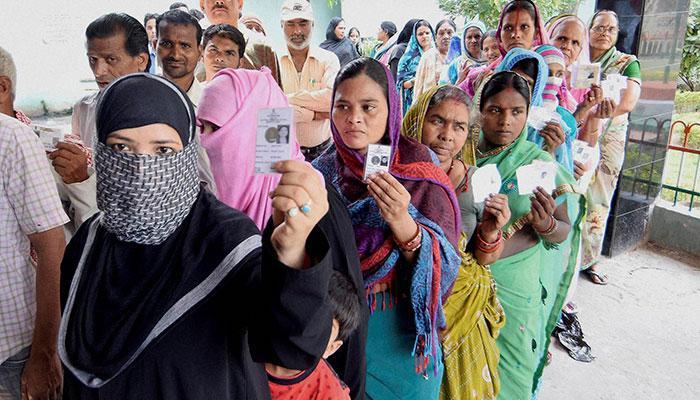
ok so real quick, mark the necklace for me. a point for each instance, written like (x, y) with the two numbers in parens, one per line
(452, 165)
(490, 153)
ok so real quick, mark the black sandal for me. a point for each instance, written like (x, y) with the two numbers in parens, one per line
(596, 277)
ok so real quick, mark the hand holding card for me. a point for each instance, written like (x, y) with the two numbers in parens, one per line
(49, 136)
(485, 181)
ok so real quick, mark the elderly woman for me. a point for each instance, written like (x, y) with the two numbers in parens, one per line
(465, 53)
(406, 224)
(167, 282)
(440, 120)
(604, 29)
(540, 251)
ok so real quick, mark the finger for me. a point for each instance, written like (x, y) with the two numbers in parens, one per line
(544, 203)
(382, 181)
(547, 201)
(69, 147)
(308, 181)
(296, 193)
(378, 198)
(538, 207)
(61, 162)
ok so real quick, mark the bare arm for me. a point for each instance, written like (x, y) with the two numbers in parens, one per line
(629, 98)
(42, 376)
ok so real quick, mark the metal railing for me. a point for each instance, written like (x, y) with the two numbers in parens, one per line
(683, 188)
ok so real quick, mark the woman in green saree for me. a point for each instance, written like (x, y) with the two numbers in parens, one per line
(604, 29)
(541, 238)
(440, 120)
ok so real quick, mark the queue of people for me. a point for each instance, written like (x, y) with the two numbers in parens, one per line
(144, 257)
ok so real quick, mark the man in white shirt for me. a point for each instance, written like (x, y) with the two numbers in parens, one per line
(308, 73)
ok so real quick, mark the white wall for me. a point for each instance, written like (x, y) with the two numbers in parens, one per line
(366, 15)
(47, 41)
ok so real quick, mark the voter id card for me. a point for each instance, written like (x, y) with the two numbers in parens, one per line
(272, 141)
(378, 159)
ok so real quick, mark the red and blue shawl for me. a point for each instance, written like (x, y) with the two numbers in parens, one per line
(433, 206)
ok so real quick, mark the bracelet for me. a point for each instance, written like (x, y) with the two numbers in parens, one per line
(487, 247)
(550, 229)
(413, 244)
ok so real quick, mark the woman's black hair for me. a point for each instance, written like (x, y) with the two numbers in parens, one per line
(488, 34)
(354, 29)
(502, 81)
(449, 92)
(422, 22)
(525, 5)
(528, 66)
(368, 66)
(406, 32)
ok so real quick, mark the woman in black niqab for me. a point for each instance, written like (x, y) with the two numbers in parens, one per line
(162, 292)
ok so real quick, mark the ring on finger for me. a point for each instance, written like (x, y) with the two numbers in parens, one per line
(293, 212)
(306, 207)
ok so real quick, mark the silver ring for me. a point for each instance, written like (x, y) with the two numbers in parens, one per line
(293, 212)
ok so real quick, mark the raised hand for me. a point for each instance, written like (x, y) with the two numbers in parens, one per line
(542, 210)
(299, 202)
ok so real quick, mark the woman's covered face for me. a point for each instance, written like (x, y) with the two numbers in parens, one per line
(153, 139)
(445, 128)
(518, 30)
(504, 116)
(360, 112)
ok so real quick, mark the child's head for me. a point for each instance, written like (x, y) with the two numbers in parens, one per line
(345, 306)
(489, 46)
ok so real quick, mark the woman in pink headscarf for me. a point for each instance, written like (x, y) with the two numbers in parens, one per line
(227, 113)
(520, 25)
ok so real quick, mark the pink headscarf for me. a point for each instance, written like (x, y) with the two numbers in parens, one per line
(231, 100)
(585, 57)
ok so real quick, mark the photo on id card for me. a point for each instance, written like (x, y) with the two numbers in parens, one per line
(272, 138)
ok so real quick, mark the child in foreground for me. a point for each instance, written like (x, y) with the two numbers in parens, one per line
(321, 382)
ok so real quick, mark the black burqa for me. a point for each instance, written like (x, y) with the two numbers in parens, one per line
(343, 48)
(400, 47)
(193, 316)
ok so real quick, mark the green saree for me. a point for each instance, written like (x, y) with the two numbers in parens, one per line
(532, 284)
